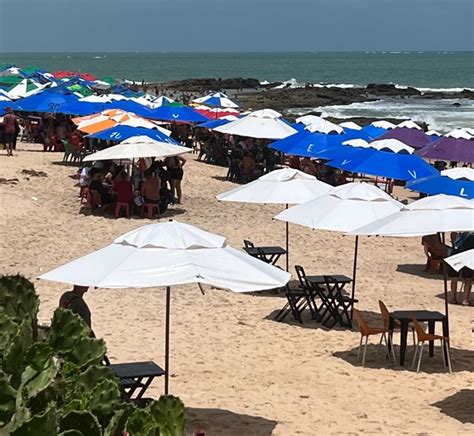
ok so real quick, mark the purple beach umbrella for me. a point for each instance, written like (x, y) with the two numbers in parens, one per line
(413, 137)
(457, 146)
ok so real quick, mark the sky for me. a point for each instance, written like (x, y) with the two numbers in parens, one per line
(235, 25)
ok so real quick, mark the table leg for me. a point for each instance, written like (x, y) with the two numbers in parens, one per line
(144, 387)
(431, 330)
(446, 335)
(391, 326)
(403, 340)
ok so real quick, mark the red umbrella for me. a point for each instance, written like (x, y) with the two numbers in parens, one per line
(216, 113)
(64, 74)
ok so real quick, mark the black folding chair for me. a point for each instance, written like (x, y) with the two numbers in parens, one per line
(248, 244)
(296, 303)
(339, 304)
(310, 292)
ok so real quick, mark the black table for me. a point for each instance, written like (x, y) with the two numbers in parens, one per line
(404, 317)
(136, 377)
(320, 280)
(267, 254)
(332, 298)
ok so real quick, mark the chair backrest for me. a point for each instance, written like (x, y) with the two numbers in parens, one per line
(385, 314)
(248, 244)
(363, 327)
(301, 275)
(420, 333)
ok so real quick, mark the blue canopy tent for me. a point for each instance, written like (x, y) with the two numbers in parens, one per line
(183, 114)
(398, 166)
(121, 133)
(445, 184)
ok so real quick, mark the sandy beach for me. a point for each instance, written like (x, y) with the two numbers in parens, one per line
(238, 371)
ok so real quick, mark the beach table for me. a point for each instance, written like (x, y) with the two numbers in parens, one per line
(269, 254)
(404, 317)
(136, 377)
(333, 299)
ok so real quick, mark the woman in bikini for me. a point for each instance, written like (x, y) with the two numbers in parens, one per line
(174, 165)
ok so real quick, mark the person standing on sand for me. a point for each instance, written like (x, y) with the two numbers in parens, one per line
(10, 126)
(74, 301)
(174, 165)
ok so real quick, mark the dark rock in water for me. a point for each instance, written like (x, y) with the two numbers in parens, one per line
(211, 84)
(391, 90)
(467, 93)
(281, 99)
(457, 104)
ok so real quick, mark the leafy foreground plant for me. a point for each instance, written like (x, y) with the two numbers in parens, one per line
(52, 381)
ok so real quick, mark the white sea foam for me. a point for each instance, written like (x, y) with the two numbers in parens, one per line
(439, 114)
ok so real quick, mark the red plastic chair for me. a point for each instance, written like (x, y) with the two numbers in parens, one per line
(84, 194)
(150, 208)
(119, 206)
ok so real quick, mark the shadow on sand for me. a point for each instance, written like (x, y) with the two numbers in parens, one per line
(109, 213)
(226, 423)
(459, 406)
(376, 358)
(418, 270)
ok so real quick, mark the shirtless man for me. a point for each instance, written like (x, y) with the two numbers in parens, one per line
(10, 125)
(150, 188)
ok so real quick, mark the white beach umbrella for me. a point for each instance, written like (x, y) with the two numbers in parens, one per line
(461, 260)
(285, 186)
(316, 124)
(96, 99)
(160, 101)
(264, 123)
(460, 134)
(393, 145)
(350, 125)
(437, 214)
(137, 147)
(382, 124)
(409, 124)
(345, 208)
(218, 99)
(169, 254)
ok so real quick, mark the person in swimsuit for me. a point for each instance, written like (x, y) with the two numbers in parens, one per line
(174, 165)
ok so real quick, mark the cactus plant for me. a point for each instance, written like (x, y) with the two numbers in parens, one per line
(52, 382)
(82, 420)
(7, 400)
(169, 413)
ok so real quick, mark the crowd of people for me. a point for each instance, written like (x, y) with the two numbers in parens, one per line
(149, 181)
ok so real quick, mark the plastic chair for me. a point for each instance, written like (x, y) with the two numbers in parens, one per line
(119, 206)
(84, 194)
(150, 208)
(423, 337)
(366, 331)
(386, 321)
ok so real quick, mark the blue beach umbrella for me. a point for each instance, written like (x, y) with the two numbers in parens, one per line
(121, 133)
(131, 106)
(183, 114)
(455, 181)
(308, 144)
(82, 108)
(46, 101)
(372, 131)
(385, 163)
(214, 123)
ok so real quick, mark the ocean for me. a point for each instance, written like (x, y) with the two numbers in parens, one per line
(441, 71)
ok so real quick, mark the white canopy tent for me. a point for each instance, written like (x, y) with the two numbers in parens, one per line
(264, 124)
(284, 186)
(169, 254)
(343, 209)
(137, 147)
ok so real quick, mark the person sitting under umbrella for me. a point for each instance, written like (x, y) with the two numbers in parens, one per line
(463, 242)
(74, 301)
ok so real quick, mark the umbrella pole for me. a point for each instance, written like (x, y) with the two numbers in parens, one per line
(287, 226)
(354, 273)
(167, 339)
(445, 280)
